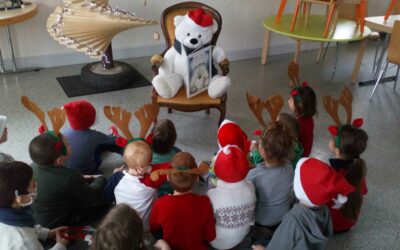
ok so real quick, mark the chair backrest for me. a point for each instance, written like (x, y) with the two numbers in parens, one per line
(167, 19)
(394, 45)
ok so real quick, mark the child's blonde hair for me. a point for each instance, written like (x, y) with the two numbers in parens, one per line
(137, 154)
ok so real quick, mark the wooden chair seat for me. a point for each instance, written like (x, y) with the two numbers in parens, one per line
(181, 99)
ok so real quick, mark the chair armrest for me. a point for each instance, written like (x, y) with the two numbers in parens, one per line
(224, 67)
(156, 61)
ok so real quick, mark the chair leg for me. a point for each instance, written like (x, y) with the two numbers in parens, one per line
(296, 13)
(207, 111)
(397, 77)
(307, 9)
(332, 9)
(383, 71)
(363, 12)
(280, 11)
(390, 9)
(169, 110)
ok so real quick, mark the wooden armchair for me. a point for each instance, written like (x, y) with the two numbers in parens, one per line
(180, 102)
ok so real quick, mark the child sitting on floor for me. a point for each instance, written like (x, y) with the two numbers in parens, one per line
(122, 229)
(87, 144)
(162, 140)
(303, 103)
(134, 186)
(233, 200)
(185, 220)
(3, 138)
(347, 147)
(294, 126)
(308, 224)
(17, 226)
(64, 196)
(273, 178)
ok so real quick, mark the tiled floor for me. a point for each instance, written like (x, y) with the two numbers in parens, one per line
(379, 225)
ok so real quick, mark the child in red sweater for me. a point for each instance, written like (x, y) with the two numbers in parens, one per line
(303, 103)
(186, 220)
(347, 147)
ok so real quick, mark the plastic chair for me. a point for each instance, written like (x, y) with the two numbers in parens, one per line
(332, 12)
(180, 102)
(393, 56)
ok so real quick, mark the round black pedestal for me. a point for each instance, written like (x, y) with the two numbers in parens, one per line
(95, 76)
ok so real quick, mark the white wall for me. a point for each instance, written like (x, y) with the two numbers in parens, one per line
(241, 35)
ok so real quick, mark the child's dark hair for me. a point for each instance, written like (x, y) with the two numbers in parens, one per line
(306, 104)
(121, 229)
(291, 122)
(277, 141)
(42, 149)
(183, 182)
(353, 142)
(14, 176)
(164, 136)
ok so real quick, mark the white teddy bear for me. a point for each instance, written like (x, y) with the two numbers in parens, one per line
(193, 31)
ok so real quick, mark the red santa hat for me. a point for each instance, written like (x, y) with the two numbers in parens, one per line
(316, 183)
(81, 114)
(229, 133)
(200, 17)
(231, 164)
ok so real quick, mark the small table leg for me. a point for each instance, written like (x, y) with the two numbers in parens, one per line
(357, 64)
(297, 52)
(14, 64)
(264, 53)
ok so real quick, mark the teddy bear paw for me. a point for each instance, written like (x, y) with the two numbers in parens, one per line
(218, 86)
(167, 86)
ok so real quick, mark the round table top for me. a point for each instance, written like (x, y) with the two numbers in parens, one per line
(8, 17)
(346, 30)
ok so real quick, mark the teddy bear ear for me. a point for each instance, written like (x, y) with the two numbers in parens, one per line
(178, 20)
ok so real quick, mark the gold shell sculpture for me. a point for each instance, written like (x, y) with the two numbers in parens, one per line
(89, 26)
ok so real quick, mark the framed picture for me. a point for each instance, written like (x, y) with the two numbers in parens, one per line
(199, 68)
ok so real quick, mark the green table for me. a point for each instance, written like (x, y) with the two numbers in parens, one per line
(346, 30)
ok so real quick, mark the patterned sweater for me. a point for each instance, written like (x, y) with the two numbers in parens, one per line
(234, 207)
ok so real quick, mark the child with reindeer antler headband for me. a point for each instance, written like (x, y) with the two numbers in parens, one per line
(186, 220)
(63, 195)
(87, 144)
(133, 185)
(347, 143)
(273, 178)
(303, 103)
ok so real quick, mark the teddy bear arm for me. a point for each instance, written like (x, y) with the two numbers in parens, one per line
(167, 65)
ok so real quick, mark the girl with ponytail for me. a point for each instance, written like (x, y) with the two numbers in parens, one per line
(347, 147)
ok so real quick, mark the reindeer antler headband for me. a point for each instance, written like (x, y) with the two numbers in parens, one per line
(202, 169)
(332, 107)
(273, 105)
(146, 115)
(57, 117)
(293, 73)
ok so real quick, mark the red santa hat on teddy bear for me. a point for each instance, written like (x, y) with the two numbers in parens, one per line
(231, 164)
(81, 114)
(230, 133)
(316, 184)
(200, 17)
